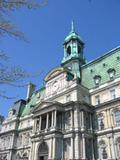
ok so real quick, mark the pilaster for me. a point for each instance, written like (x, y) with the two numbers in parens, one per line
(72, 147)
(83, 147)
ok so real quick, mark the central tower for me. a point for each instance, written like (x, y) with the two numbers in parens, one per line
(73, 52)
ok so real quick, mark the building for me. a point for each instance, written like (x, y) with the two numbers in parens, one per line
(75, 115)
(1, 121)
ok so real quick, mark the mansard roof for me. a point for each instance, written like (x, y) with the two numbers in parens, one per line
(100, 66)
(32, 102)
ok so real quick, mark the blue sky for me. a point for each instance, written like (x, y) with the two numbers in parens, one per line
(96, 21)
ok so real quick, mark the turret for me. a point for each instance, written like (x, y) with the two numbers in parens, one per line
(73, 52)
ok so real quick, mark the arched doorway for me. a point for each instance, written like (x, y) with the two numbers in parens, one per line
(43, 151)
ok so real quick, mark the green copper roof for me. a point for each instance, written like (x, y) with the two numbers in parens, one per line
(29, 106)
(73, 35)
(100, 66)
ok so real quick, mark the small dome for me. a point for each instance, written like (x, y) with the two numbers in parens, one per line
(73, 35)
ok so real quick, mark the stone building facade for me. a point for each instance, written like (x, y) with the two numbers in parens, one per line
(74, 116)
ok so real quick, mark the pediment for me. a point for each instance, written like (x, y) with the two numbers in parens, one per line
(54, 73)
(43, 105)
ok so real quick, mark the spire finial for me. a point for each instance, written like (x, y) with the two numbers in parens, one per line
(72, 27)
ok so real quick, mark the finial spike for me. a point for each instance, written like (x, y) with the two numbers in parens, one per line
(72, 27)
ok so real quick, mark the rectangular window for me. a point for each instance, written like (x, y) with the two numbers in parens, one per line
(43, 123)
(50, 120)
(100, 123)
(117, 117)
(97, 100)
(37, 124)
(113, 95)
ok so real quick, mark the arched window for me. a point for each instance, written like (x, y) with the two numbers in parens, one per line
(102, 150)
(43, 151)
(117, 117)
(68, 51)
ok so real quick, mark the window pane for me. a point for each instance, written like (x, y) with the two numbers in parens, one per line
(113, 95)
(117, 117)
(97, 100)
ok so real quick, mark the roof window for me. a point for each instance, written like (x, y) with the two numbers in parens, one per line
(111, 72)
(118, 58)
(97, 80)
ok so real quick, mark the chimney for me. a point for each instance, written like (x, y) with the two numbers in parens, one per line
(1, 121)
(30, 90)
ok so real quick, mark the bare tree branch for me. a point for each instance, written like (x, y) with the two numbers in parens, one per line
(13, 75)
(6, 6)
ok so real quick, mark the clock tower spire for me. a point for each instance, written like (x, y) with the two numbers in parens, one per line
(73, 52)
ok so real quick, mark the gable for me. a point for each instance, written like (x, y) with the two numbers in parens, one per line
(54, 73)
(42, 105)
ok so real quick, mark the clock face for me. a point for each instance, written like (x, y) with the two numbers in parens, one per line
(55, 86)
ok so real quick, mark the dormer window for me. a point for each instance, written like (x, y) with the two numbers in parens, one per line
(104, 64)
(111, 73)
(118, 58)
(97, 80)
(68, 51)
(91, 71)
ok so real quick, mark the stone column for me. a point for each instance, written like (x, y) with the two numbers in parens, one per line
(83, 147)
(77, 146)
(50, 149)
(82, 120)
(52, 119)
(34, 127)
(109, 116)
(113, 148)
(106, 119)
(111, 119)
(54, 147)
(63, 125)
(10, 157)
(92, 141)
(47, 120)
(55, 117)
(116, 150)
(40, 123)
(72, 147)
(76, 119)
(110, 151)
(72, 119)
(33, 152)
(91, 122)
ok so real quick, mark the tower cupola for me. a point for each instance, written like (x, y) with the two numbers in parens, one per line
(73, 51)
